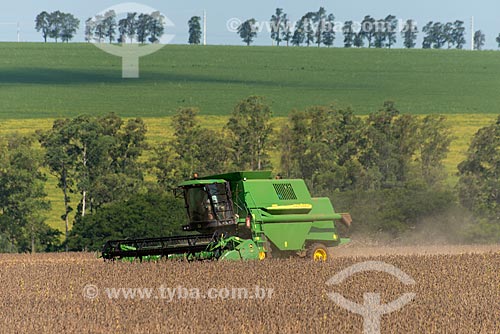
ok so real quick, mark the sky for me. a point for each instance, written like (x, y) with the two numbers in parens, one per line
(219, 12)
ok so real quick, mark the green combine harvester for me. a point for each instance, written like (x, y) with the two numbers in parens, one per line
(243, 215)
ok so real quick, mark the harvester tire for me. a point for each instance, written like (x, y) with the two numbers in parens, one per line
(317, 252)
(269, 249)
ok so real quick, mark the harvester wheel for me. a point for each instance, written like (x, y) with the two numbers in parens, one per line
(269, 250)
(317, 252)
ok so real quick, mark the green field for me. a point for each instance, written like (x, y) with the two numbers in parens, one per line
(41, 82)
(54, 80)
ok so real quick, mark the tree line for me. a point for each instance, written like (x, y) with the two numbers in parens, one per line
(57, 25)
(141, 27)
(106, 27)
(319, 28)
(314, 28)
(386, 169)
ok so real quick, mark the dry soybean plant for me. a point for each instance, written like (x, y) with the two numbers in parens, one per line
(50, 293)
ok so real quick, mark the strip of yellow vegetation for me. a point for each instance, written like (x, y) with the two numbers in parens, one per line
(463, 127)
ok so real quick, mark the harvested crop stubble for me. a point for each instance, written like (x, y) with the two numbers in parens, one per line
(455, 293)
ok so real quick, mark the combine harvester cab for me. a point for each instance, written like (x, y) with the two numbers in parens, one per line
(243, 215)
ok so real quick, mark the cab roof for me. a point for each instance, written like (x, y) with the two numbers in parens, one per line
(195, 182)
(238, 176)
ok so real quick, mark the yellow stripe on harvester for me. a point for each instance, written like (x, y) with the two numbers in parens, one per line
(290, 207)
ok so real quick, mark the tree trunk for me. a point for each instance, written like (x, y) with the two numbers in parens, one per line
(33, 251)
(66, 206)
(84, 199)
(84, 193)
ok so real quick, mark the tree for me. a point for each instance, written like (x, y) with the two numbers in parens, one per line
(143, 25)
(299, 35)
(436, 35)
(277, 25)
(122, 31)
(43, 24)
(22, 200)
(409, 34)
(368, 29)
(448, 34)
(69, 27)
(479, 183)
(149, 214)
(250, 127)
(164, 165)
(115, 170)
(60, 160)
(309, 28)
(56, 21)
(89, 30)
(286, 34)
(387, 168)
(390, 147)
(156, 27)
(428, 38)
(248, 31)
(458, 34)
(358, 40)
(380, 33)
(294, 139)
(96, 157)
(479, 40)
(194, 30)
(84, 132)
(440, 37)
(127, 27)
(100, 28)
(391, 25)
(434, 138)
(329, 31)
(403, 150)
(319, 19)
(186, 133)
(349, 34)
(320, 145)
(109, 23)
(498, 40)
(60, 25)
(193, 149)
